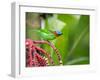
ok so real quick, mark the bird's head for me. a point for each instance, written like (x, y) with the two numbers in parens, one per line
(58, 33)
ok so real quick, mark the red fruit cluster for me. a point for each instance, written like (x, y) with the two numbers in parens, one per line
(40, 60)
(33, 58)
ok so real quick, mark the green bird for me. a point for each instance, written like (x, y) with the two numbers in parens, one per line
(48, 35)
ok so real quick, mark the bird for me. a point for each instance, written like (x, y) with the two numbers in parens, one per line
(48, 35)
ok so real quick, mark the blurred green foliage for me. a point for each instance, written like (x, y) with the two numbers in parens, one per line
(73, 44)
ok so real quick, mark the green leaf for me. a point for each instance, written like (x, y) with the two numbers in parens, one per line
(80, 60)
(79, 39)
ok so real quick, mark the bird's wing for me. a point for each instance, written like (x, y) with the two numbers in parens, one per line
(46, 36)
(45, 31)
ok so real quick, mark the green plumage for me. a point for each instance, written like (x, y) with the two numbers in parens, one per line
(45, 34)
